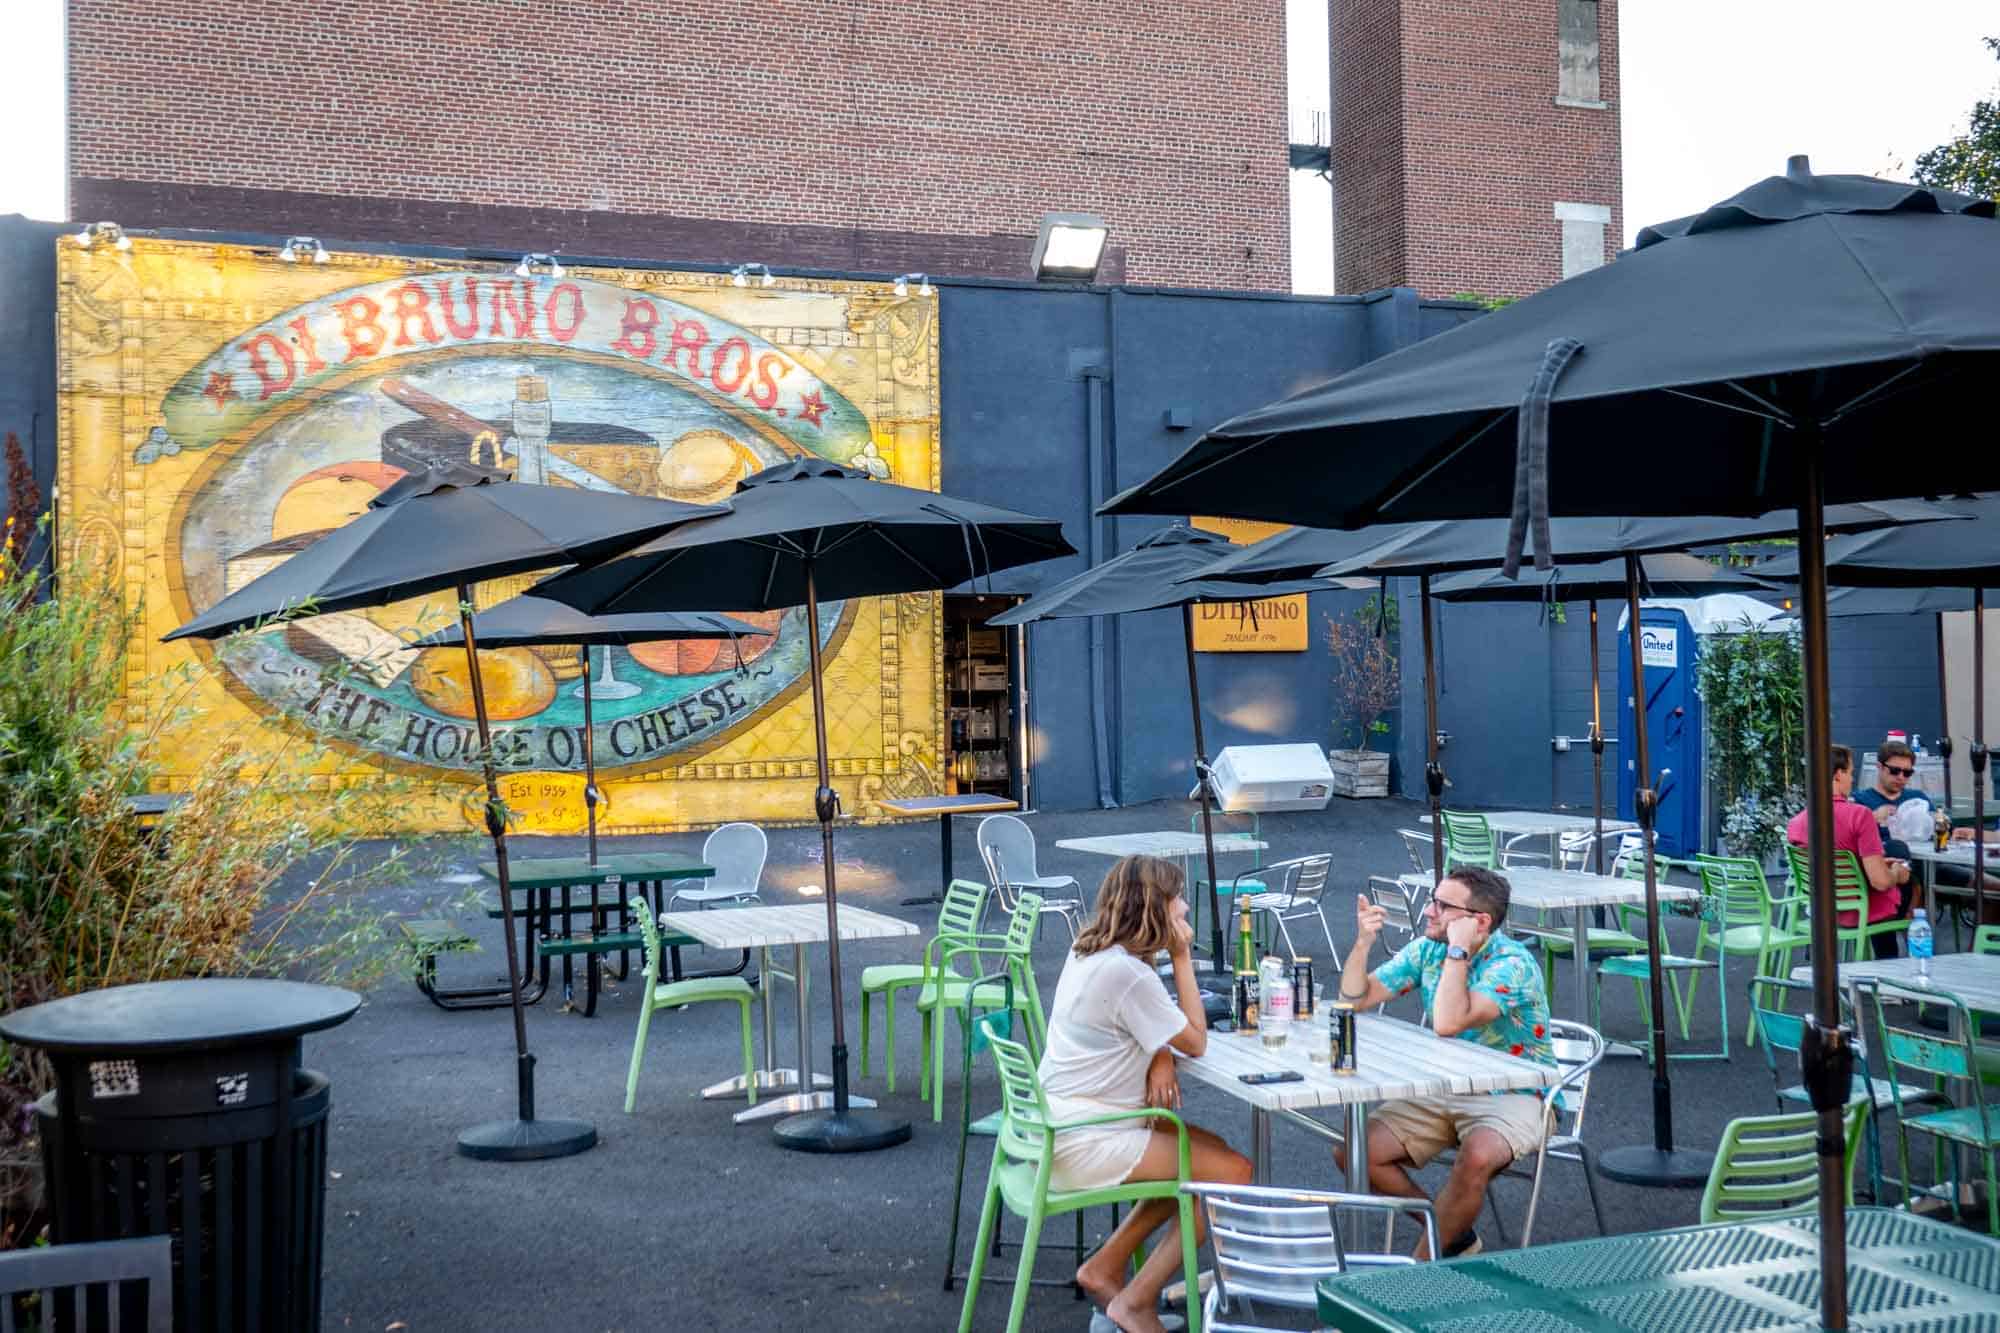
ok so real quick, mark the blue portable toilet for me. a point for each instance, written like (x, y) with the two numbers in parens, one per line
(1668, 647)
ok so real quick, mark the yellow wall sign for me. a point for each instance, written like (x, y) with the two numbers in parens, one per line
(1268, 625)
(221, 410)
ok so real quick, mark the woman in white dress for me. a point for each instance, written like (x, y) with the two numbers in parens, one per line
(1111, 1027)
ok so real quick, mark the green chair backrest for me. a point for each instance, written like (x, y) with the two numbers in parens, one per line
(1920, 1048)
(649, 935)
(1986, 939)
(1024, 1134)
(963, 901)
(1736, 885)
(1850, 884)
(1779, 1030)
(1468, 841)
(1768, 1165)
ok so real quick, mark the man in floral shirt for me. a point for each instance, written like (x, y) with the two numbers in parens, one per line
(1477, 985)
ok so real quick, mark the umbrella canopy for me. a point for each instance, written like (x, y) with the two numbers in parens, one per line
(1928, 556)
(797, 533)
(1165, 569)
(445, 528)
(1667, 574)
(860, 537)
(438, 529)
(1773, 351)
(1808, 315)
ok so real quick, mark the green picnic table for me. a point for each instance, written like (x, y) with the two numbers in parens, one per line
(1904, 1272)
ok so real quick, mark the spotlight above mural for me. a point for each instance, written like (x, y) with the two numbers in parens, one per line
(109, 232)
(924, 287)
(742, 273)
(295, 246)
(1069, 247)
(536, 260)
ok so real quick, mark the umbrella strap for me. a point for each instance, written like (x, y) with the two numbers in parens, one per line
(1531, 459)
(967, 532)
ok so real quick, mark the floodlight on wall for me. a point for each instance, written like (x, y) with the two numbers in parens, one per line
(1069, 247)
(296, 246)
(109, 232)
(742, 273)
(923, 284)
(537, 260)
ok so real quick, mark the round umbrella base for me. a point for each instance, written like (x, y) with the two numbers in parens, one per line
(1646, 1165)
(852, 1130)
(526, 1140)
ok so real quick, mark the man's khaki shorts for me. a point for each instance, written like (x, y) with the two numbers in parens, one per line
(1426, 1126)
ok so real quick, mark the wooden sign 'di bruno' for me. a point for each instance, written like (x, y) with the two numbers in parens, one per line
(1267, 625)
(220, 410)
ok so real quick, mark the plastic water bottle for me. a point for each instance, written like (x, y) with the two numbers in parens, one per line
(1921, 945)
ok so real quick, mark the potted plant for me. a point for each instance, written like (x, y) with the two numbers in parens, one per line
(1752, 687)
(1367, 687)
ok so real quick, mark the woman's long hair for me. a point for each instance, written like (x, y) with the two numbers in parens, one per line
(1133, 906)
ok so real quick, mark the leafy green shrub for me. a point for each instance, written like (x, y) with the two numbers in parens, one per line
(1752, 687)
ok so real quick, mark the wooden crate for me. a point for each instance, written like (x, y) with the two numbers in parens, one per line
(1359, 773)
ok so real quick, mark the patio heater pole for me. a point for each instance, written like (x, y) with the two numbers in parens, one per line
(590, 796)
(1433, 771)
(523, 1139)
(1596, 750)
(1662, 1163)
(1201, 781)
(1978, 757)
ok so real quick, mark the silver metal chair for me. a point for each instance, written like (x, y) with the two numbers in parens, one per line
(1007, 847)
(1579, 1049)
(93, 1275)
(1296, 888)
(1400, 897)
(1417, 846)
(737, 851)
(1272, 1245)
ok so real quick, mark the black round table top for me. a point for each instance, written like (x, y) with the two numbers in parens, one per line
(180, 1015)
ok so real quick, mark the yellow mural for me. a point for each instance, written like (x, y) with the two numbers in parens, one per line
(220, 409)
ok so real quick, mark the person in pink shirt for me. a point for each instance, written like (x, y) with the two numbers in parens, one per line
(1855, 830)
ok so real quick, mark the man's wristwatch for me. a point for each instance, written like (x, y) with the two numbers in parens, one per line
(1457, 953)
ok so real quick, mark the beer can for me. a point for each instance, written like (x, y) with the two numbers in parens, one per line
(1302, 988)
(1340, 1038)
(1245, 1011)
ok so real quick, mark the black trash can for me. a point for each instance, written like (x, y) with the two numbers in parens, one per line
(180, 1109)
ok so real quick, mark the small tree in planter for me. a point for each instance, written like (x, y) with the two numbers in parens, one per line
(1367, 687)
(1752, 687)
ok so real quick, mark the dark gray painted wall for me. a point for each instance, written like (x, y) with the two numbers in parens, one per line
(27, 342)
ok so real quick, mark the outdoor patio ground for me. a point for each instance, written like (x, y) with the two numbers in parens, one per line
(680, 1219)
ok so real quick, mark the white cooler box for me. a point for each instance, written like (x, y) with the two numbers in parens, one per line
(1272, 777)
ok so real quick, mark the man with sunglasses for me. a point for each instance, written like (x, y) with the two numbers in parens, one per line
(1895, 765)
(1855, 831)
(1477, 984)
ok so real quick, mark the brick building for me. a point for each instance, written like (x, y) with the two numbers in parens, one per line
(850, 134)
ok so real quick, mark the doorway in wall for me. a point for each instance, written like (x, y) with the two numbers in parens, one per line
(985, 700)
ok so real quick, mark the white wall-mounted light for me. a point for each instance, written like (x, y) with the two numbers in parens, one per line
(740, 275)
(1069, 247)
(924, 287)
(296, 246)
(537, 260)
(109, 232)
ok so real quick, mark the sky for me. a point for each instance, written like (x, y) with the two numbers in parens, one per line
(1717, 93)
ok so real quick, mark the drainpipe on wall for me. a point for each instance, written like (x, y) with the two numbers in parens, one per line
(1090, 366)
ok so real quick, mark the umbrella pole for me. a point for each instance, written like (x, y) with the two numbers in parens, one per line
(842, 1128)
(1944, 715)
(1201, 781)
(1596, 749)
(1433, 771)
(1660, 1164)
(525, 1138)
(589, 759)
(1978, 757)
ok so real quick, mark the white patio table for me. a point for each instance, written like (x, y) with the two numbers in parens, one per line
(1546, 824)
(1538, 888)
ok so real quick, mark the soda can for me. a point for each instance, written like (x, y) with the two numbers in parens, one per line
(1302, 988)
(1245, 1011)
(1274, 1001)
(1340, 1038)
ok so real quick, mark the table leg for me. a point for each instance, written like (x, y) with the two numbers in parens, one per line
(944, 861)
(795, 1102)
(771, 1078)
(1357, 1148)
(1260, 1146)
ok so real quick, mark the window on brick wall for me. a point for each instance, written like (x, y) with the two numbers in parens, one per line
(1579, 84)
(1582, 236)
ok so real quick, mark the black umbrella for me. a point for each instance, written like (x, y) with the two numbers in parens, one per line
(796, 533)
(1963, 555)
(1773, 351)
(1163, 570)
(441, 529)
(523, 622)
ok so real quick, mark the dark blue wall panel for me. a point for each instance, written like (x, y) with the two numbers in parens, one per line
(27, 342)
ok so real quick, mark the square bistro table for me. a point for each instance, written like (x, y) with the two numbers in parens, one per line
(1904, 1272)
(763, 929)
(1543, 890)
(1973, 977)
(944, 807)
(1173, 845)
(1547, 824)
(1957, 854)
(1394, 1059)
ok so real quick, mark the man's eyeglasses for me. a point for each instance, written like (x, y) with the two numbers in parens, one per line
(1441, 905)
(1899, 772)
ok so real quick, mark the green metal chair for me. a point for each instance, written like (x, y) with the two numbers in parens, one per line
(1741, 919)
(958, 916)
(946, 987)
(1610, 943)
(1468, 841)
(1023, 1159)
(1850, 894)
(1937, 1061)
(673, 994)
(1783, 1031)
(1248, 882)
(1767, 1166)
